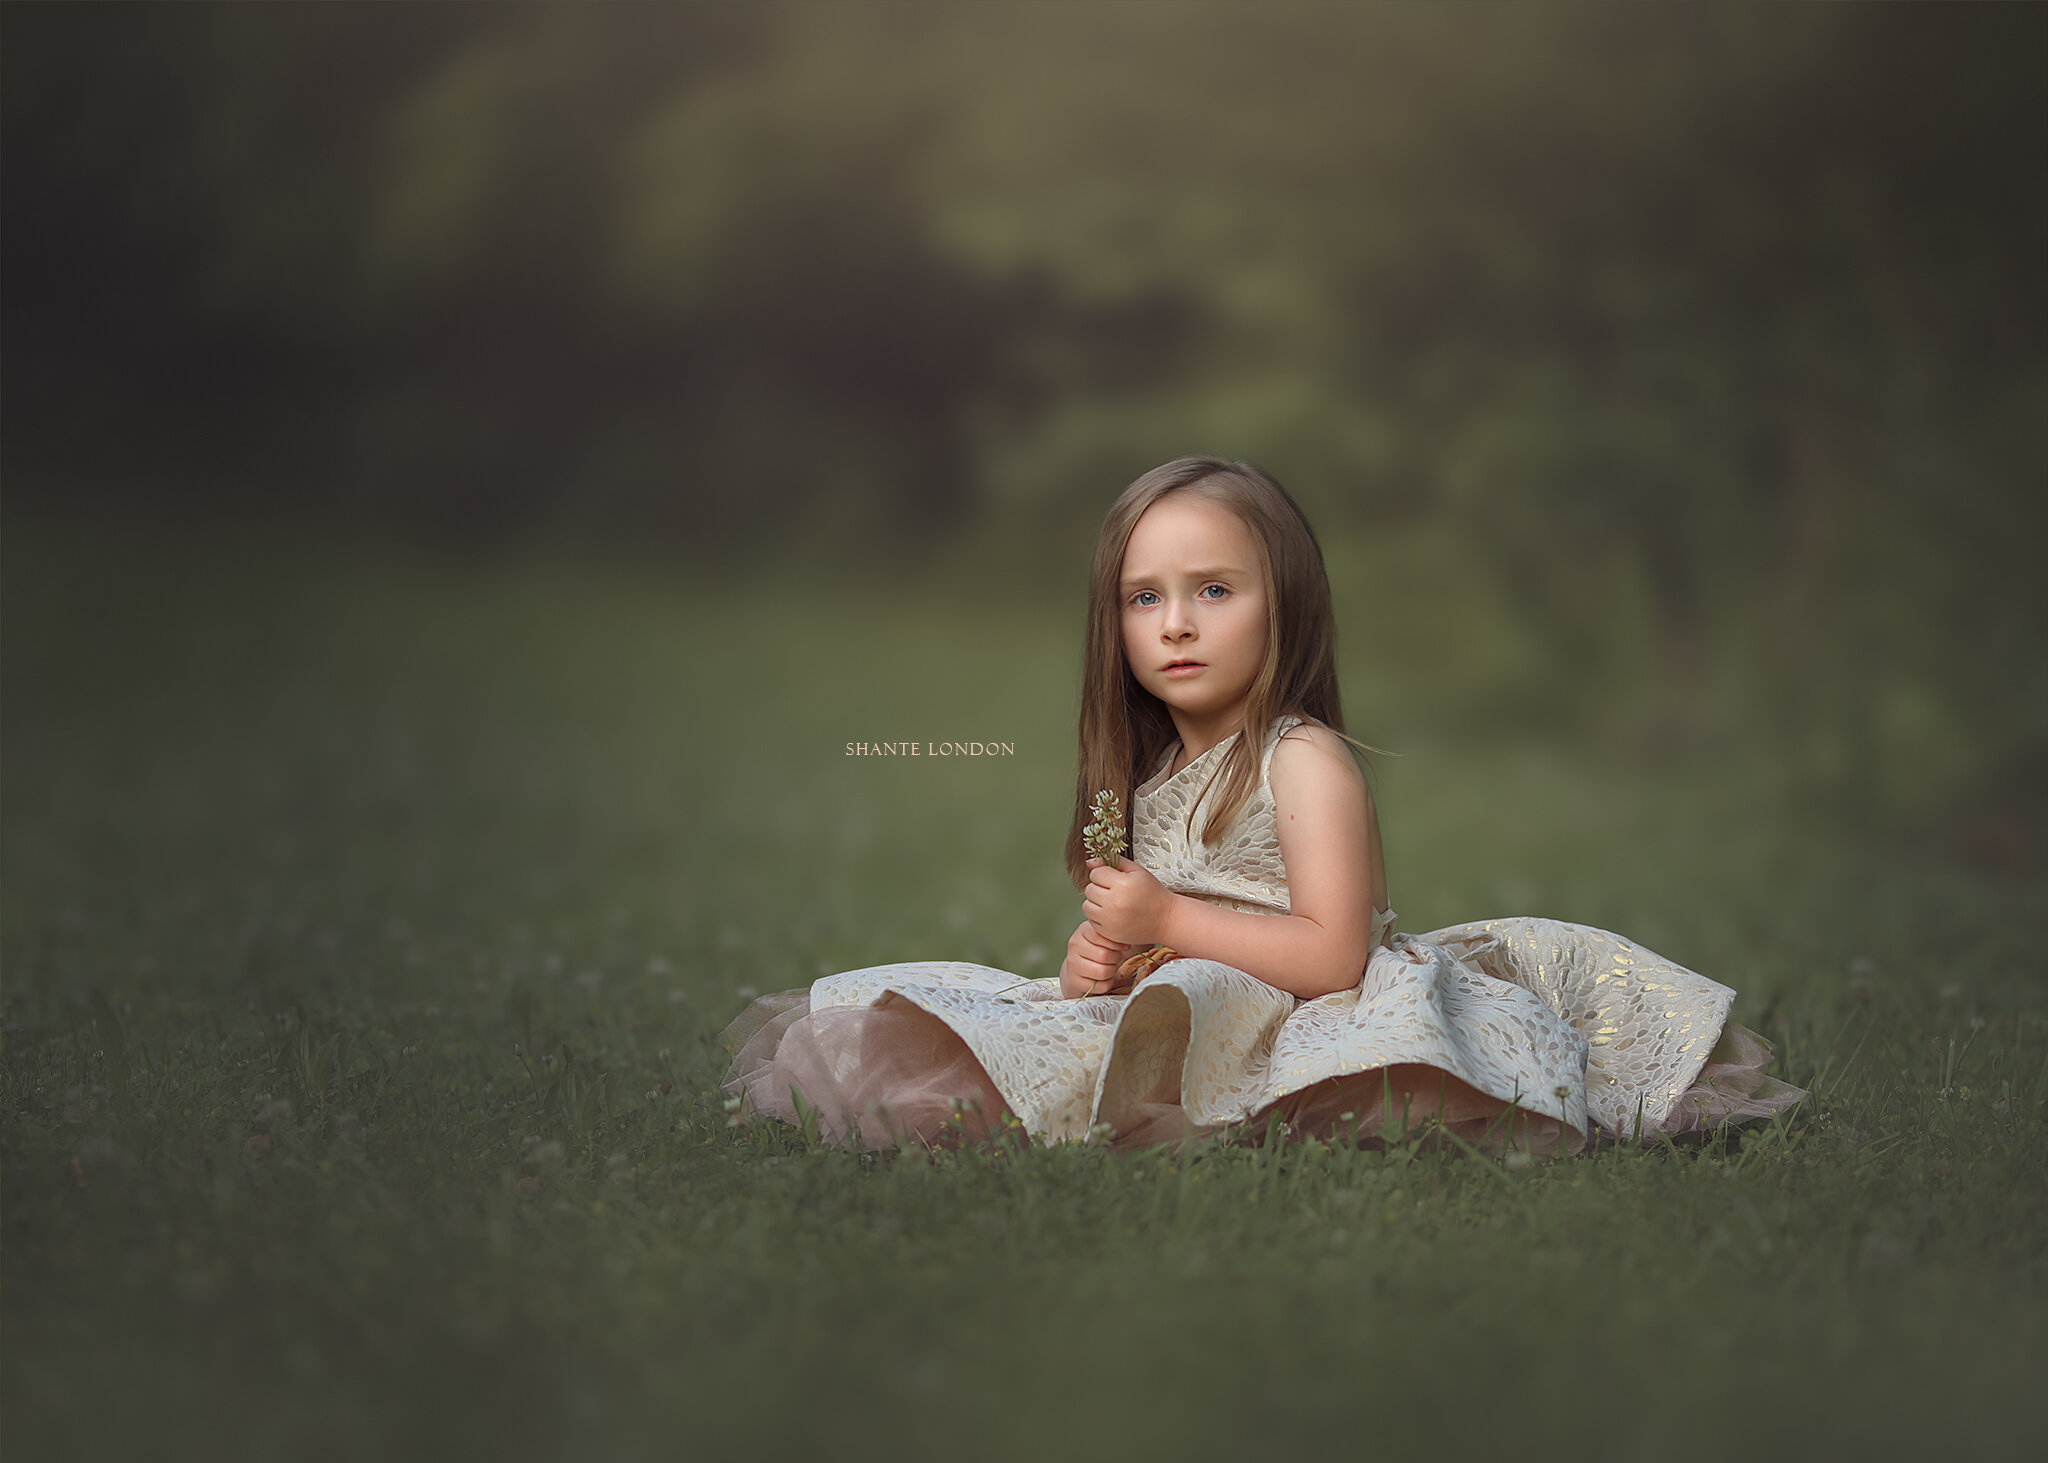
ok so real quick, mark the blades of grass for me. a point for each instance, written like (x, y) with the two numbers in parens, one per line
(1475, 1154)
(1507, 1116)
(806, 1119)
(114, 1044)
(1847, 1066)
(1669, 1146)
(1827, 1060)
(1185, 1212)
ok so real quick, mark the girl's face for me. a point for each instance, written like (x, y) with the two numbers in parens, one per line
(1194, 610)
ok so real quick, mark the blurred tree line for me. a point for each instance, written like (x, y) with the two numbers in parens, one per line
(1711, 337)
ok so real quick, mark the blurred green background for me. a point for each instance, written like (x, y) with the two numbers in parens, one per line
(469, 470)
(1668, 376)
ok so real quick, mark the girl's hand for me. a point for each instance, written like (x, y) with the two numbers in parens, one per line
(1090, 968)
(1127, 905)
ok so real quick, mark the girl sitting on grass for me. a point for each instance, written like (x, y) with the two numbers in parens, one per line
(1242, 964)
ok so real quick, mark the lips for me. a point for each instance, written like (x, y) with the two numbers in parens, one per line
(1181, 667)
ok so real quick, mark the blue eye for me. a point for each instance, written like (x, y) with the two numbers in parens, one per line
(1144, 599)
(1221, 590)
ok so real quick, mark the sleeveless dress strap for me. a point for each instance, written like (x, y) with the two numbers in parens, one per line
(1282, 725)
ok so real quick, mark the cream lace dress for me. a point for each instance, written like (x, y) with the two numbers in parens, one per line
(1520, 1031)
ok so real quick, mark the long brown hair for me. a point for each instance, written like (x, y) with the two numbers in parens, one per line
(1125, 729)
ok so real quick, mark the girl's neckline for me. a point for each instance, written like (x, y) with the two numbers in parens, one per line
(1160, 778)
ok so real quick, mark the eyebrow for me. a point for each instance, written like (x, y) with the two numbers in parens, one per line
(1224, 572)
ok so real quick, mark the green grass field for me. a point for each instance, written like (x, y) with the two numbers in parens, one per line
(369, 925)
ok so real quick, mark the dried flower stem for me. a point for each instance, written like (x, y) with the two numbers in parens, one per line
(1142, 964)
(1104, 839)
(1104, 835)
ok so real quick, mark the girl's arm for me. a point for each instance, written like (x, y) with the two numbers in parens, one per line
(1325, 820)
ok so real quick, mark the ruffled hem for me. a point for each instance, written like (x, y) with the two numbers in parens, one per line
(1731, 1088)
(893, 1075)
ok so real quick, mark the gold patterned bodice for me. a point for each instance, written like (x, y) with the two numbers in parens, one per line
(1243, 870)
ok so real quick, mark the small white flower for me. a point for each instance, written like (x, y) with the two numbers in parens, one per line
(542, 1154)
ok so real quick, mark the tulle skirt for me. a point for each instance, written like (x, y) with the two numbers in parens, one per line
(1513, 1034)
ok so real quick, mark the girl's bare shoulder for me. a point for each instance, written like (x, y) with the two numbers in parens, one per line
(1313, 761)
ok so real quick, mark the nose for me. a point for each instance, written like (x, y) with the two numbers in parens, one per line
(1179, 623)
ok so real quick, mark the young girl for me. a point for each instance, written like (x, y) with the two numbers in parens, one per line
(1209, 707)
